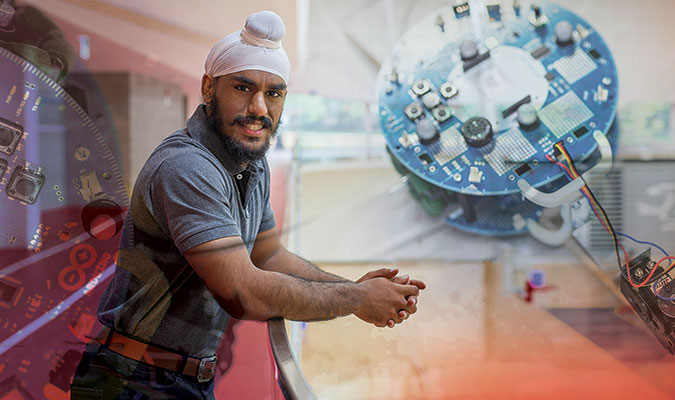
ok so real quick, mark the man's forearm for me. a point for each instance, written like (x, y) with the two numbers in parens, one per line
(281, 295)
(288, 263)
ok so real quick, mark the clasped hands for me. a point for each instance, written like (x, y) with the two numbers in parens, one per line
(391, 298)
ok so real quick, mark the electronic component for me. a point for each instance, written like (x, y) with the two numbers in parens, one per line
(413, 111)
(601, 94)
(594, 53)
(475, 61)
(448, 90)
(102, 219)
(406, 140)
(537, 18)
(25, 185)
(91, 186)
(475, 175)
(421, 87)
(461, 8)
(431, 100)
(514, 107)
(656, 313)
(10, 134)
(441, 113)
(520, 171)
(426, 131)
(426, 159)
(468, 50)
(494, 10)
(3, 166)
(581, 131)
(582, 31)
(563, 33)
(527, 117)
(7, 292)
(477, 132)
(540, 52)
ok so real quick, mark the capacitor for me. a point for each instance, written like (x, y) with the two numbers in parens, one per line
(102, 219)
(527, 117)
(427, 131)
(468, 49)
(477, 131)
(6, 137)
(563, 33)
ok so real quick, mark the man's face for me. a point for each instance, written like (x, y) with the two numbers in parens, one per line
(245, 108)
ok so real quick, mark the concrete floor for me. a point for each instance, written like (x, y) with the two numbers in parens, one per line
(474, 337)
(470, 340)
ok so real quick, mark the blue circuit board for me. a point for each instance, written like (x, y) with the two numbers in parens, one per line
(62, 203)
(507, 215)
(573, 88)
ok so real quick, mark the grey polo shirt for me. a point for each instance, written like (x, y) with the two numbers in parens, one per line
(185, 195)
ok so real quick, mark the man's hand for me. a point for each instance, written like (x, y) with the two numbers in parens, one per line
(382, 299)
(391, 274)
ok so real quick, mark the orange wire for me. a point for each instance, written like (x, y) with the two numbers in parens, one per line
(575, 174)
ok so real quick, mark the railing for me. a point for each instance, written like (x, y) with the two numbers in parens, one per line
(293, 382)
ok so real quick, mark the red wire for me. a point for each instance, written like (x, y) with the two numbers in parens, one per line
(551, 159)
(663, 259)
(625, 254)
(585, 188)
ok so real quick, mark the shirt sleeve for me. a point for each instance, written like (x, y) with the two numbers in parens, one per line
(190, 200)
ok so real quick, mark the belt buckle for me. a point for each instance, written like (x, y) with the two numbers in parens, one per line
(206, 373)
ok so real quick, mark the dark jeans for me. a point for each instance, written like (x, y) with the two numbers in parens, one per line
(104, 374)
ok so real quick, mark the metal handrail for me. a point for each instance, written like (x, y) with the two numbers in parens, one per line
(292, 379)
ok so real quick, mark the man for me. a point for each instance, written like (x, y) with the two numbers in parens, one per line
(200, 244)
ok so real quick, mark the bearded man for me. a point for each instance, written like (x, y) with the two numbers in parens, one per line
(199, 242)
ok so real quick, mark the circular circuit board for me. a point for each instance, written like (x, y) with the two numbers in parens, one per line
(62, 203)
(496, 88)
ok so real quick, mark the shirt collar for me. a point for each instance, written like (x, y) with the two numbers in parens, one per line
(198, 127)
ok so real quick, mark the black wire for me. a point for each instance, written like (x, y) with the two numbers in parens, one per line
(609, 223)
(611, 229)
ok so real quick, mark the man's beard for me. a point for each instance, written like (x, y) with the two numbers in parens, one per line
(239, 153)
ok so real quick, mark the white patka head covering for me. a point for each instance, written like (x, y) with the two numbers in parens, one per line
(257, 46)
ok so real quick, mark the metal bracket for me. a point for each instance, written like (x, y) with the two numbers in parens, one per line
(564, 196)
(553, 237)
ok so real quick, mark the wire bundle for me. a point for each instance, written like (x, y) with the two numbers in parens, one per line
(572, 173)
